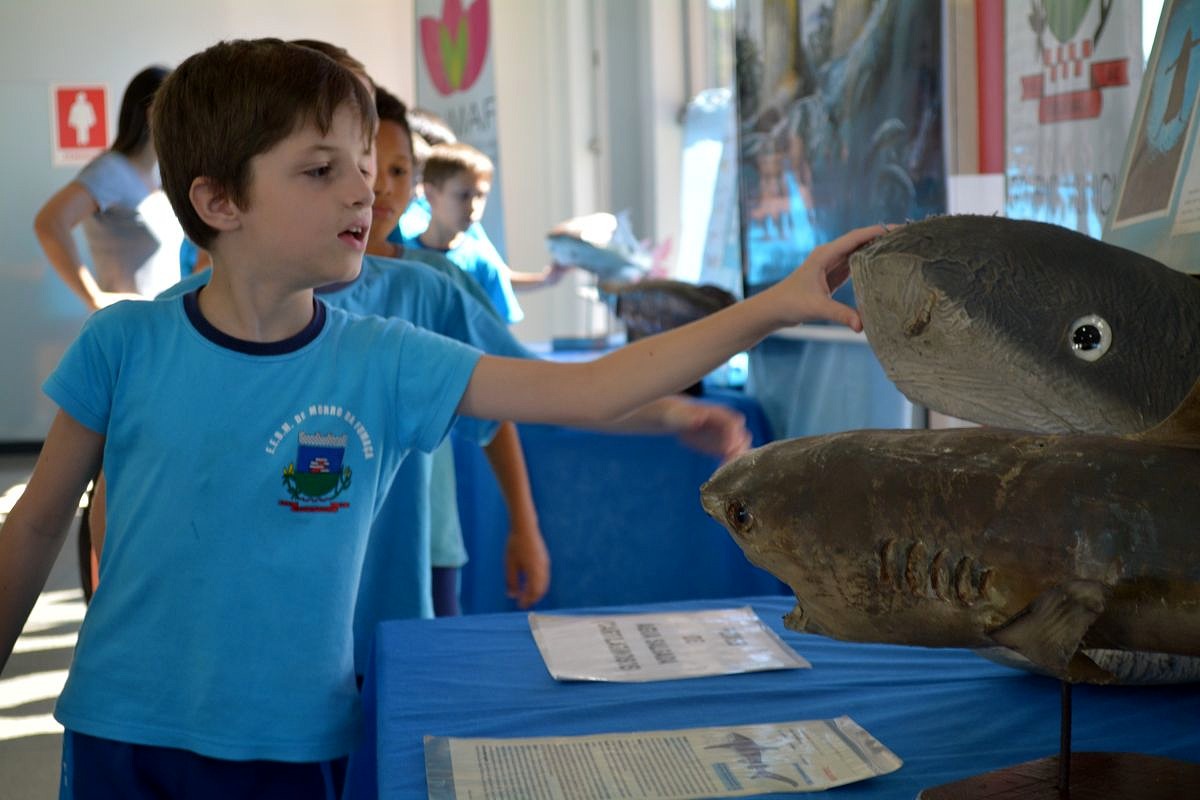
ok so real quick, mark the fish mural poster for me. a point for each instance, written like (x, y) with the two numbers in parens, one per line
(1157, 209)
(455, 80)
(840, 123)
(1073, 67)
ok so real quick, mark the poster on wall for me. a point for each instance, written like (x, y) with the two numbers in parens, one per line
(839, 123)
(1073, 67)
(1157, 209)
(79, 124)
(455, 81)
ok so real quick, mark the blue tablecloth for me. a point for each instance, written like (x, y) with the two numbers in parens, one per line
(620, 514)
(947, 713)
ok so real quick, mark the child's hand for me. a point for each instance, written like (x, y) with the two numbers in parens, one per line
(809, 288)
(555, 272)
(708, 428)
(526, 567)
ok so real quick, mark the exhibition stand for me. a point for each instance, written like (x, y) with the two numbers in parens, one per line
(947, 713)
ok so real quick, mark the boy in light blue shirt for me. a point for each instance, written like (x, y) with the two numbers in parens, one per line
(457, 179)
(249, 433)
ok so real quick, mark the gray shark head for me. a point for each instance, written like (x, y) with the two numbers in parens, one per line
(774, 503)
(1028, 325)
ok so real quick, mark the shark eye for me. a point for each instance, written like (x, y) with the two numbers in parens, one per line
(738, 515)
(1090, 337)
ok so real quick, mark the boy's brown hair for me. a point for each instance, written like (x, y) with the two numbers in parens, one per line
(222, 107)
(445, 161)
(339, 54)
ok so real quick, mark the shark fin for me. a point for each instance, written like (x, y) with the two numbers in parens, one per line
(1082, 669)
(1181, 428)
(1049, 630)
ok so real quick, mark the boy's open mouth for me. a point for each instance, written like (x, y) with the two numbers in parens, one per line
(355, 235)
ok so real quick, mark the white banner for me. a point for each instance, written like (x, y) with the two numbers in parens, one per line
(1073, 70)
(455, 81)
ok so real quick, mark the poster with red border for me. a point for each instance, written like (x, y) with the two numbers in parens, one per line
(1073, 67)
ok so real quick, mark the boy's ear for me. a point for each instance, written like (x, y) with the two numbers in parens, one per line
(213, 205)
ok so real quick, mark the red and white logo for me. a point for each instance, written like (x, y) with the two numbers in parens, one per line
(1070, 83)
(80, 122)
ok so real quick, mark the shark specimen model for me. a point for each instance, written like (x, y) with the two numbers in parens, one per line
(655, 305)
(1028, 325)
(1051, 545)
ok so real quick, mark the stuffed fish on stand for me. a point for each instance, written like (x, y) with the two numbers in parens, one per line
(1050, 545)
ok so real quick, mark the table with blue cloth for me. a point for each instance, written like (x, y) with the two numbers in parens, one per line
(948, 714)
(620, 514)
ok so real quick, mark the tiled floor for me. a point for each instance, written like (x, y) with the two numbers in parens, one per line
(30, 739)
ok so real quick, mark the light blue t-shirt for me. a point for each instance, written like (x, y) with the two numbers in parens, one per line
(490, 273)
(242, 482)
(446, 267)
(410, 527)
(415, 221)
(446, 545)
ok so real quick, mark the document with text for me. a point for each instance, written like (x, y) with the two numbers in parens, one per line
(659, 646)
(783, 757)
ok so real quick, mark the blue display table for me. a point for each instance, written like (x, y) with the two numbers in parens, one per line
(620, 514)
(947, 713)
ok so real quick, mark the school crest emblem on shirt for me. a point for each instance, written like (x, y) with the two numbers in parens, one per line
(318, 476)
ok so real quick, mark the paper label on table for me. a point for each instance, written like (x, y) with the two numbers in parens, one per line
(781, 757)
(630, 648)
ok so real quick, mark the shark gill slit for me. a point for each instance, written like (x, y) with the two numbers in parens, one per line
(905, 567)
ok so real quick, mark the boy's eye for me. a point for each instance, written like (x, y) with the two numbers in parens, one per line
(318, 172)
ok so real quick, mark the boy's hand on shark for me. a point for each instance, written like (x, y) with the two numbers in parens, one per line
(828, 266)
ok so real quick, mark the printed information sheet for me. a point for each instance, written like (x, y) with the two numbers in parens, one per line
(784, 757)
(653, 647)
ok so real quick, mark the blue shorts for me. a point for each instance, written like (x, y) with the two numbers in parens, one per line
(445, 592)
(101, 769)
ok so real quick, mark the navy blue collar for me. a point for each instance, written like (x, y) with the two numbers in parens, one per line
(191, 305)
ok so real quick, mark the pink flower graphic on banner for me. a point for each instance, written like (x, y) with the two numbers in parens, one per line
(455, 46)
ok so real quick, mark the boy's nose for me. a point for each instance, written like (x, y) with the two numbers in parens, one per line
(363, 194)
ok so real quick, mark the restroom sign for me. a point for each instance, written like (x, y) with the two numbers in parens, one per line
(79, 123)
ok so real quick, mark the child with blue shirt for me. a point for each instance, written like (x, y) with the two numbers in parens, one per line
(457, 179)
(527, 562)
(249, 433)
(429, 130)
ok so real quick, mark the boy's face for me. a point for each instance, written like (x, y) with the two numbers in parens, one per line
(309, 204)
(393, 179)
(459, 201)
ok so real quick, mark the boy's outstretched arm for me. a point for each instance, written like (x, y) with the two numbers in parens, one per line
(708, 428)
(35, 529)
(618, 383)
(526, 561)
